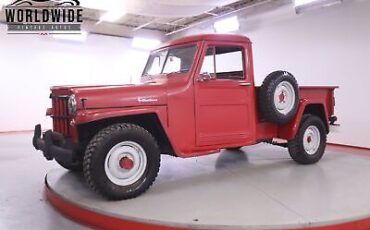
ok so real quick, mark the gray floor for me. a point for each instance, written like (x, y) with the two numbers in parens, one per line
(260, 185)
(22, 202)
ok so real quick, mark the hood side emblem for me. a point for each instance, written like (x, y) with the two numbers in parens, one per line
(147, 99)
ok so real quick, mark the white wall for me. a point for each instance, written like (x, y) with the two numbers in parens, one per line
(329, 46)
(31, 64)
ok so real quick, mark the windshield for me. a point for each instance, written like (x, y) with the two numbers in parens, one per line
(173, 60)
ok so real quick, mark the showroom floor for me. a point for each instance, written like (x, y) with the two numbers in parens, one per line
(259, 175)
(22, 202)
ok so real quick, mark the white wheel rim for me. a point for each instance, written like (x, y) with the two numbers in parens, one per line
(125, 163)
(284, 97)
(311, 140)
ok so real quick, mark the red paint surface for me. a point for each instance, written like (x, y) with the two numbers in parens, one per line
(96, 220)
(126, 163)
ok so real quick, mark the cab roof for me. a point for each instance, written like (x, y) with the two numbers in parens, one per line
(208, 37)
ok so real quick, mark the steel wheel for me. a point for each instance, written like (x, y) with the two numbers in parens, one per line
(125, 163)
(121, 161)
(308, 146)
(284, 97)
(311, 140)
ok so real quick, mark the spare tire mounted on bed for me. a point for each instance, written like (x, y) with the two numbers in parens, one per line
(279, 97)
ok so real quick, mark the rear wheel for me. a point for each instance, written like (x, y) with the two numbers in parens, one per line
(121, 161)
(309, 144)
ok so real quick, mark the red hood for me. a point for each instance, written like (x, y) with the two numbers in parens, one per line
(115, 96)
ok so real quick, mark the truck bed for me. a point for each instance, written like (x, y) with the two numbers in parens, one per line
(313, 99)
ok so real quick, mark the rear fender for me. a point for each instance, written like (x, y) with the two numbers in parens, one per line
(289, 131)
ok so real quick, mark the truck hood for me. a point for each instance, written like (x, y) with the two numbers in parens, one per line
(116, 96)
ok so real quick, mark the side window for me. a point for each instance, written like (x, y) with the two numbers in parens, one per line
(209, 62)
(225, 61)
(229, 63)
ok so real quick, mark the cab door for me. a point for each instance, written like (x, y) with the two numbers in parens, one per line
(224, 99)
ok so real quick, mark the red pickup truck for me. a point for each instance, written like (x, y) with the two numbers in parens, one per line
(197, 96)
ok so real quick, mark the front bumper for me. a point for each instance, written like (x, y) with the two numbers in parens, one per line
(54, 145)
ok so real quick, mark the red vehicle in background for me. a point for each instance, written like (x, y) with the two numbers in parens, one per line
(197, 96)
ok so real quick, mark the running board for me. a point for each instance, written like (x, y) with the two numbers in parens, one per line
(284, 145)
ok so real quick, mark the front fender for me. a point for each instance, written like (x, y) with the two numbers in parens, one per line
(91, 115)
(95, 115)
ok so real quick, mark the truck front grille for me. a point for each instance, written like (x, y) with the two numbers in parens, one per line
(60, 115)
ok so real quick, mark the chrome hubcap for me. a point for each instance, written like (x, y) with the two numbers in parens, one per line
(284, 97)
(125, 163)
(311, 140)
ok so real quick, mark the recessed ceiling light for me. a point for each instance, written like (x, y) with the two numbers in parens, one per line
(227, 25)
(145, 43)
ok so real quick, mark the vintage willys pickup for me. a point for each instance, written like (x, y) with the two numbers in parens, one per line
(197, 96)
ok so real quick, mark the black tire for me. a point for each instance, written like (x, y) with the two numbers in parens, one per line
(75, 166)
(296, 146)
(267, 99)
(97, 150)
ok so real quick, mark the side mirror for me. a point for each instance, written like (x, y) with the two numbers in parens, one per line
(205, 77)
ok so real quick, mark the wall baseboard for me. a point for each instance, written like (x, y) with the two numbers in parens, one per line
(15, 132)
(349, 146)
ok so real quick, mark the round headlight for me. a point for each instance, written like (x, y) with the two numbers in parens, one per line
(72, 105)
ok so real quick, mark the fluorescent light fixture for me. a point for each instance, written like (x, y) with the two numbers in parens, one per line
(72, 37)
(145, 43)
(227, 25)
(305, 5)
(304, 2)
(111, 16)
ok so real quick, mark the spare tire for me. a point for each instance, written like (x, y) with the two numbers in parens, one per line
(278, 97)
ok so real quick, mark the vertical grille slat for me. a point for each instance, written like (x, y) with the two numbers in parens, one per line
(61, 104)
(65, 113)
(60, 115)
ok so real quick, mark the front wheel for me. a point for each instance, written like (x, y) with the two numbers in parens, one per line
(75, 166)
(309, 144)
(121, 161)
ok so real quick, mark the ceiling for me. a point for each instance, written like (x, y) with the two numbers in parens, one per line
(167, 16)
(157, 18)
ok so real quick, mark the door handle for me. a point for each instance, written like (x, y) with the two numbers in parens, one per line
(245, 84)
